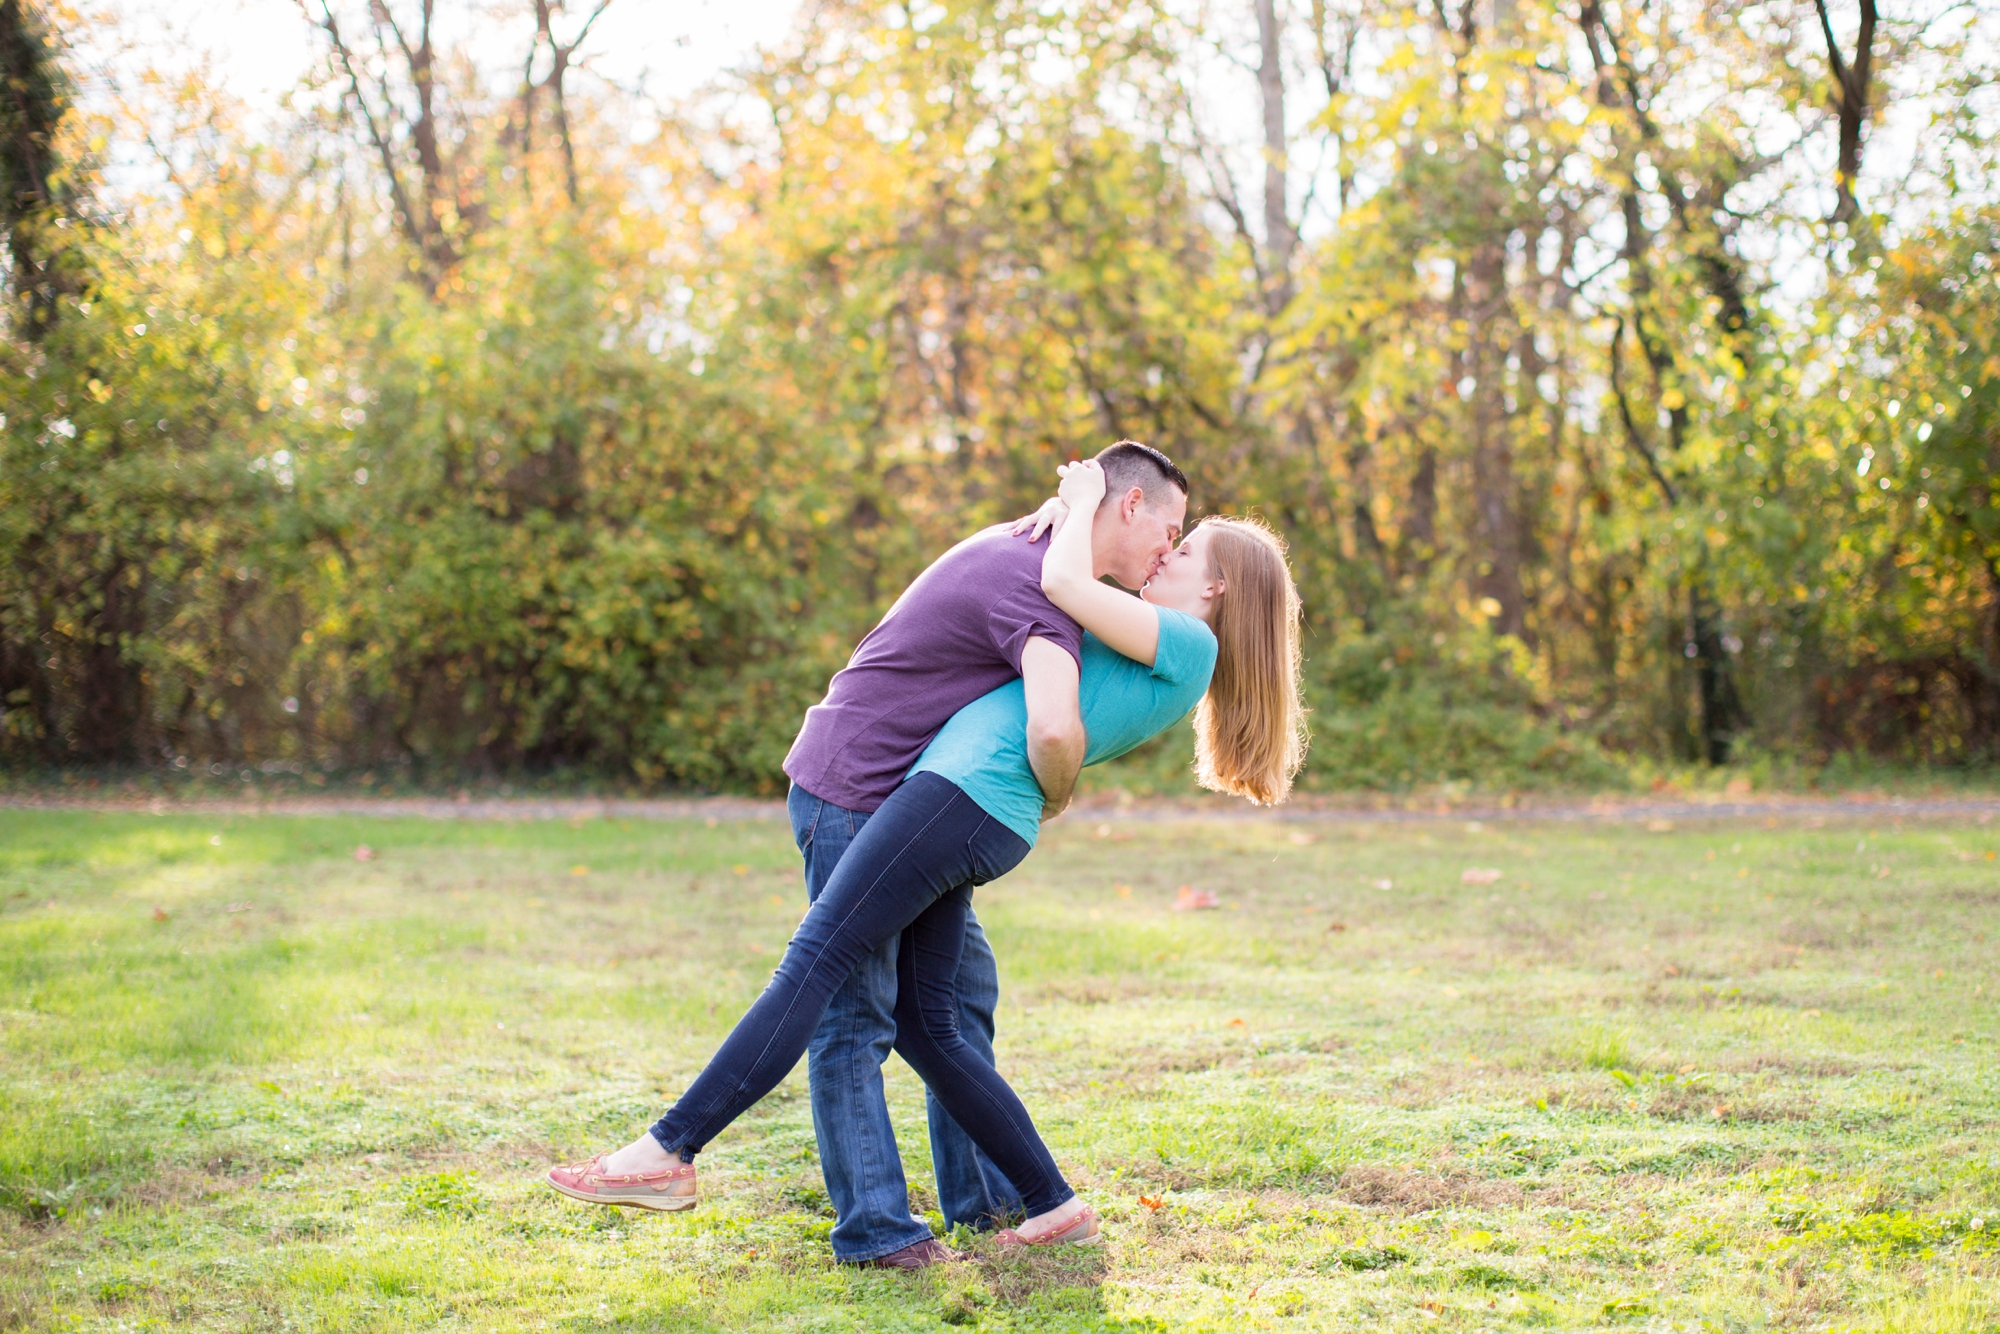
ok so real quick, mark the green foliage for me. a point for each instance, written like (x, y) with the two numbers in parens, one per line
(605, 465)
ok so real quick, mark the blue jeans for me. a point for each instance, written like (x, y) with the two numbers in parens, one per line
(907, 878)
(857, 1145)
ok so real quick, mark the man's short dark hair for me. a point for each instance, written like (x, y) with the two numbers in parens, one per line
(1128, 464)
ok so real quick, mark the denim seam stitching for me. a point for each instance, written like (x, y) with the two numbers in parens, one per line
(732, 1094)
(996, 1107)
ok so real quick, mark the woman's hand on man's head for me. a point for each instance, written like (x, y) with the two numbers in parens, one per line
(1082, 485)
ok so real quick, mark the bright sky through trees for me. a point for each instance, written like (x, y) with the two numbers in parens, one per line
(261, 48)
(1625, 376)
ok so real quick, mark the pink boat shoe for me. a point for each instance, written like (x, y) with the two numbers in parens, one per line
(1079, 1231)
(668, 1190)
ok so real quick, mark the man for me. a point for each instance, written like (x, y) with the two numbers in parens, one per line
(970, 623)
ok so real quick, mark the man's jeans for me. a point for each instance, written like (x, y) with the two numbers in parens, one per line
(857, 1145)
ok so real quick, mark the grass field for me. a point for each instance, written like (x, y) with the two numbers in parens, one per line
(1729, 1077)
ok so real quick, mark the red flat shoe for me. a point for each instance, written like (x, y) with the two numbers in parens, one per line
(1079, 1231)
(587, 1181)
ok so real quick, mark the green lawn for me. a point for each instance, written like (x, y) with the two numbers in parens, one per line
(1728, 1077)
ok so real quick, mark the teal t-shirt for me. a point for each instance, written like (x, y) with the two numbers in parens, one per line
(984, 748)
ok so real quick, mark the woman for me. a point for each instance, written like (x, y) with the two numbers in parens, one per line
(1219, 625)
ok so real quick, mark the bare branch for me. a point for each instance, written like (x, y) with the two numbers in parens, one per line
(1633, 434)
(1280, 237)
(559, 63)
(328, 24)
(1851, 88)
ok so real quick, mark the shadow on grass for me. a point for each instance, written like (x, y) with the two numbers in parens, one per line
(1059, 1289)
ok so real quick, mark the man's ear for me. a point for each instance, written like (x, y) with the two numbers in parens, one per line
(1129, 506)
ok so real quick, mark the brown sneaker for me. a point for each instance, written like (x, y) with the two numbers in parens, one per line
(917, 1255)
(588, 1182)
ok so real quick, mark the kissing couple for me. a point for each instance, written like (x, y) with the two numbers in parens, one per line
(955, 730)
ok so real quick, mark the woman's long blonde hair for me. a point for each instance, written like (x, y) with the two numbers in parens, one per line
(1249, 729)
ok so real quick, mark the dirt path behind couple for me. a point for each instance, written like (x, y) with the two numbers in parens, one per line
(1100, 807)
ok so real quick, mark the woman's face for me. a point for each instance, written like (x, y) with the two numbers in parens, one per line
(1183, 582)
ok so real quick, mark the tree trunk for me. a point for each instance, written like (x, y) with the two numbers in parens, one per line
(1419, 544)
(34, 98)
(1850, 103)
(1361, 498)
(1721, 710)
(1497, 522)
(1981, 685)
(113, 690)
(1280, 237)
(560, 55)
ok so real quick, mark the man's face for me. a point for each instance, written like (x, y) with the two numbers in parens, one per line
(1142, 536)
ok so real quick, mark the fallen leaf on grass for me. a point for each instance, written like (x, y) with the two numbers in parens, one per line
(1152, 1201)
(159, 914)
(1236, 1023)
(1189, 899)
(364, 853)
(1479, 875)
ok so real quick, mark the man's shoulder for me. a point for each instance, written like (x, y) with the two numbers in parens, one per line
(988, 566)
(991, 583)
(997, 548)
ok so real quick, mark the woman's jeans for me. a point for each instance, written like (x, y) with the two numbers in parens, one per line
(911, 871)
(857, 1144)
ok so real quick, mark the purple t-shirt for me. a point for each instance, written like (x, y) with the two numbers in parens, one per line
(956, 633)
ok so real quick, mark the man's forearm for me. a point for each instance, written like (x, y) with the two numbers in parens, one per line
(1055, 722)
(1056, 760)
